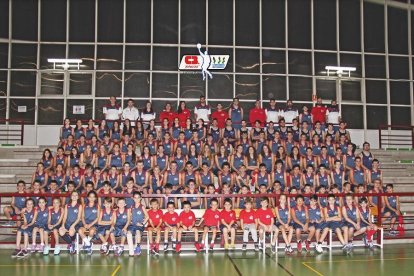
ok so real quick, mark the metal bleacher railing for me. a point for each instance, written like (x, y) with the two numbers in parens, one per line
(11, 131)
(398, 136)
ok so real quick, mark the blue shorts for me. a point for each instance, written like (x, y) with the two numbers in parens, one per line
(278, 224)
(348, 224)
(102, 229)
(118, 232)
(41, 226)
(318, 226)
(28, 231)
(13, 213)
(54, 228)
(234, 225)
(297, 226)
(134, 228)
(363, 224)
(77, 226)
(333, 225)
(392, 213)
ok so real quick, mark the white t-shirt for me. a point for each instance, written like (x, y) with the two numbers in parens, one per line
(112, 113)
(333, 116)
(289, 115)
(202, 112)
(146, 117)
(272, 115)
(131, 114)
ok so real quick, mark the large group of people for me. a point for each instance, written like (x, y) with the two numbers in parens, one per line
(274, 152)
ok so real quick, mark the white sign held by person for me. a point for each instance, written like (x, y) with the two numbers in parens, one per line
(78, 109)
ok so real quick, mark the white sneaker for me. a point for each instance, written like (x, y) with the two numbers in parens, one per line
(318, 248)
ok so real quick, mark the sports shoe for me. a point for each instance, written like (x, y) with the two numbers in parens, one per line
(22, 254)
(260, 246)
(31, 249)
(299, 243)
(256, 247)
(174, 244)
(318, 248)
(120, 250)
(137, 250)
(115, 249)
(201, 246)
(165, 246)
(46, 250)
(307, 245)
(345, 247)
(364, 239)
(197, 246)
(178, 247)
(232, 246)
(244, 247)
(107, 248)
(226, 246)
(72, 249)
(89, 252)
(286, 249)
(273, 248)
(15, 253)
(212, 246)
(290, 249)
(40, 248)
(371, 245)
(103, 249)
(154, 251)
(57, 250)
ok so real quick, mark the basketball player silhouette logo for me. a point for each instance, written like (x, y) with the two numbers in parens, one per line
(206, 62)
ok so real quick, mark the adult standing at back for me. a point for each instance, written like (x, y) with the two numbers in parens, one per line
(319, 113)
(130, 112)
(202, 111)
(257, 113)
(220, 115)
(272, 112)
(236, 113)
(333, 115)
(168, 114)
(112, 112)
(147, 114)
(289, 113)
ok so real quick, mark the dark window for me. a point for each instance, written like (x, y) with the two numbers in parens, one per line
(247, 22)
(3, 83)
(399, 68)
(53, 20)
(24, 19)
(374, 27)
(246, 108)
(110, 20)
(137, 85)
(23, 83)
(220, 22)
(137, 57)
(164, 85)
(376, 115)
(99, 104)
(400, 115)
(300, 63)
(50, 51)
(193, 21)
(397, 31)
(247, 86)
(51, 83)
(324, 24)
(273, 62)
(24, 56)
(192, 86)
(351, 91)
(3, 107)
(165, 58)
(108, 84)
(300, 89)
(165, 21)
(322, 60)
(138, 21)
(109, 57)
(50, 112)
(375, 66)
(82, 20)
(80, 84)
(247, 61)
(376, 91)
(326, 89)
(29, 115)
(352, 114)
(274, 87)
(349, 30)
(299, 24)
(352, 61)
(273, 23)
(4, 55)
(400, 92)
(84, 52)
(4, 18)
(88, 109)
(220, 87)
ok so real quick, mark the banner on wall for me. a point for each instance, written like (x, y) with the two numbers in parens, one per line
(78, 109)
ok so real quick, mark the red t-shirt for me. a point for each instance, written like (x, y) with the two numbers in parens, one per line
(221, 117)
(318, 114)
(171, 219)
(248, 217)
(265, 216)
(211, 218)
(170, 115)
(257, 114)
(187, 219)
(228, 216)
(183, 116)
(155, 216)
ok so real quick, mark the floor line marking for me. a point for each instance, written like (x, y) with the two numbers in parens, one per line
(358, 260)
(234, 265)
(51, 265)
(116, 270)
(312, 269)
(280, 265)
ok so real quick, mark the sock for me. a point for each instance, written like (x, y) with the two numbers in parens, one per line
(86, 241)
(212, 240)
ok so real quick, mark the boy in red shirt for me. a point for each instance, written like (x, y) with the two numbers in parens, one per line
(170, 219)
(265, 220)
(228, 224)
(249, 224)
(211, 221)
(187, 222)
(154, 226)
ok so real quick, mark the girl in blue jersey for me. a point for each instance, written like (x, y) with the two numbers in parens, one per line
(54, 221)
(71, 221)
(316, 221)
(392, 209)
(89, 221)
(367, 226)
(139, 218)
(105, 223)
(283, 224)
(300, 218)
(29, 214)
(352, 219)
(120, 226)
(40, 225)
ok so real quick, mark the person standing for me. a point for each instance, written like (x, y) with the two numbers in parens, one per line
(319, 113)
(272, 113)
(130, 112)
(220, 115)
(333, 115)
(257, 114)
(168, 114)
(289, 113)
(236, 113)
(202, 111)
(147, 114)
(112, 112)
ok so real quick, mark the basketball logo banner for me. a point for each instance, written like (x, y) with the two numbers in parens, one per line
(204, 62)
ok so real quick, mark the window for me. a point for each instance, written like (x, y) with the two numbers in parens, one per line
(221, 87)
(137, 85)
(374, 27)
(300, 63)
(50, 112)
(376, 91)
(353, 115)
(137, 57)
(24, 56)
(399, 68)
(273, 62)
(351, 91)
(29, 115)
(164, 85)
(3, 84)
(23, 83)
(110, 20)
(300, 89)
(82, 20)
(326, 89)
(400, 92)
(50, 51)
(165, 58)
(324, 16)
(138, 28)
(247, 61)
(4, 55)
(52, 83)
(375, 66)
(299, 22)
(53, 20)
(248, 86)
(400, 115)
(80, 84)
(349, 30)
(88, 109)
(273, 23)
(397, 31)
(193, 21)
(109, 57)
(84, 52)
(376, 115)
(220, 22)
(274, 87)
(352, 61)
(165, 21)
(192, 86)
(322, 60)
(108, 84)
(24, 19)
(247, 31)
(4, 18)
